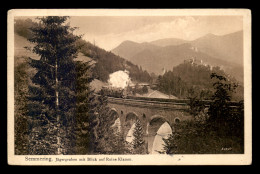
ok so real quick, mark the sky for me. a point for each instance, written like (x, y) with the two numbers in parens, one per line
(108, 32)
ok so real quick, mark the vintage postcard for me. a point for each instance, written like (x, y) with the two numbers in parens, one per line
(129, 87)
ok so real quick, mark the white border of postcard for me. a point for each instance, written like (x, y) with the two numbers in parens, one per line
(194, 159)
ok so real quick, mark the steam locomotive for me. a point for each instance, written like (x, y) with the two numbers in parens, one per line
(113, 92)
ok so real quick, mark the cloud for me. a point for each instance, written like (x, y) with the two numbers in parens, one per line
(176, 28)
(187, 28)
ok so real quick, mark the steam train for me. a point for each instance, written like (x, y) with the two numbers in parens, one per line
(113, 92)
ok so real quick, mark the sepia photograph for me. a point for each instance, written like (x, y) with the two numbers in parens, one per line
(129, 87)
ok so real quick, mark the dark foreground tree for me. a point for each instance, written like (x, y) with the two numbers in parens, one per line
(21, 119)
(222, 127)
(138, 141)
(226, 121)
(53, 93)
(65, 116)
(222, 118)
(86, 111)
(109, 138)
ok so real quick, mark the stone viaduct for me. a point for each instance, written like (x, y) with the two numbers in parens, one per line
(152, 114)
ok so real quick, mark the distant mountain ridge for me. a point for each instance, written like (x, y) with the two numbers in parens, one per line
(227, 47)
(170, 56)
(129, 48)
(168, 41)
(225, 51)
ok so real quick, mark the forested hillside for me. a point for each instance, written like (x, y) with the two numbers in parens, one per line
(105, 62)
(108, 62)
(190, 79)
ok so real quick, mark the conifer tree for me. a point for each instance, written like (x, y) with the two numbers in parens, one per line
(138, 141)
(170, 145)
(103, 129)
(87, 106)
(21, 119)
(118, 143)
(108, 140)
(53, 96)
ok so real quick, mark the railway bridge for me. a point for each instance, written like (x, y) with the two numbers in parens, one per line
(152, 113)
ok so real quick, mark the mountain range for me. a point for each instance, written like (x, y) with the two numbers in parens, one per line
(225, 51)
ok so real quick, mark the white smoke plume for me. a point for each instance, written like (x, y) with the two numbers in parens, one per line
(119, 79)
